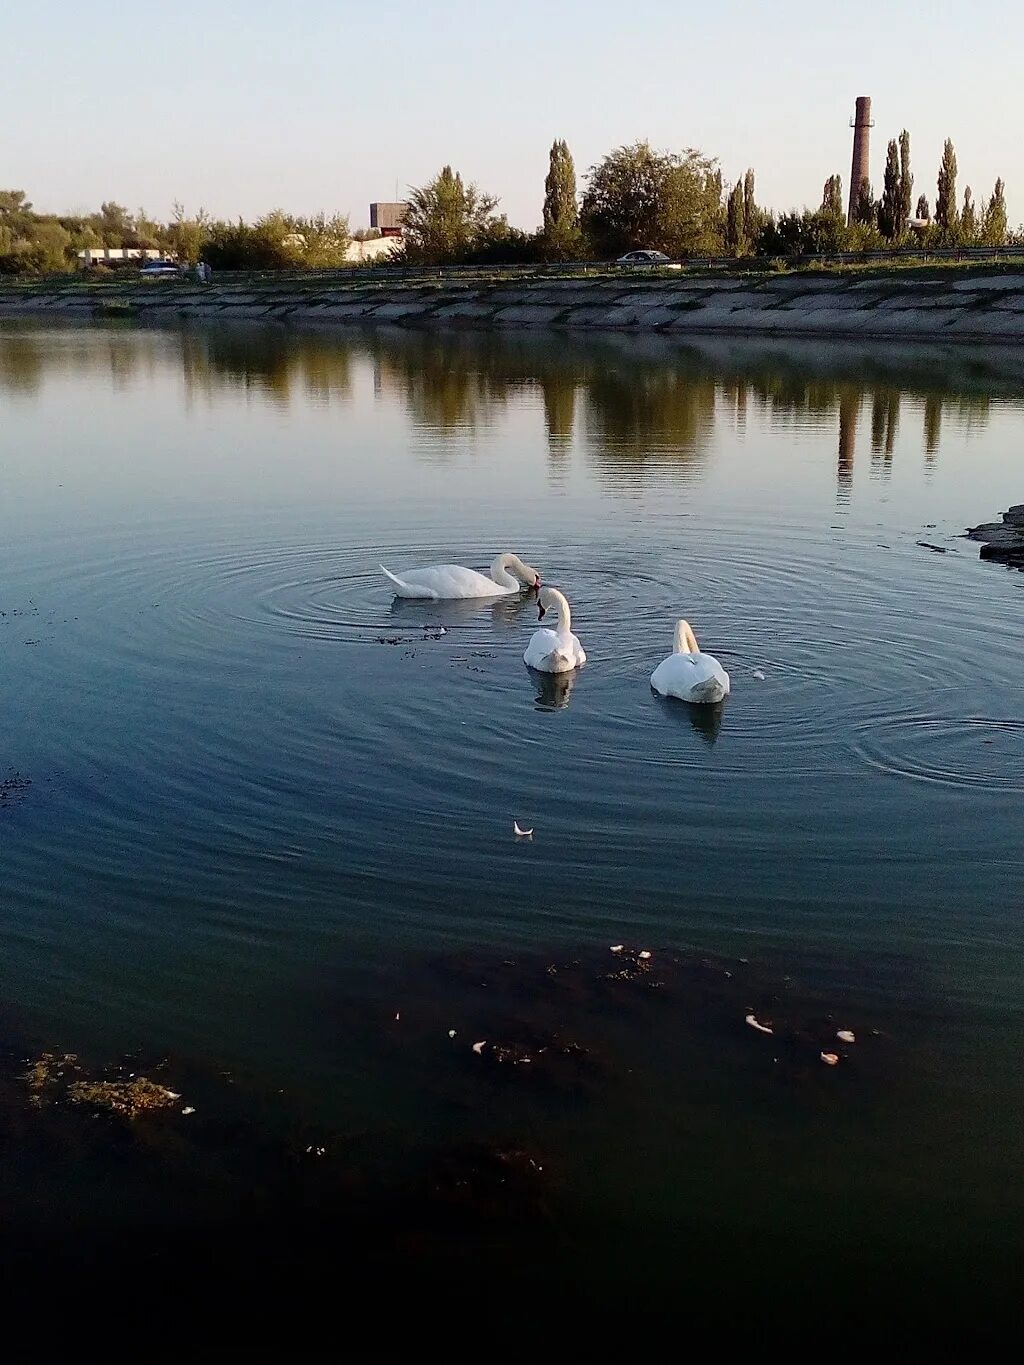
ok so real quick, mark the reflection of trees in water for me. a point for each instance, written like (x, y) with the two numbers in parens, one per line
(272, 363)
(635, 402)
(449, 382)
(559, 391)
(28, 357)
(850, 400)
(885, 422)
(22, 363)
(642, 415)
(633, 409)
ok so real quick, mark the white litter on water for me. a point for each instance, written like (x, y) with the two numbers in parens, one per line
(752, 1020)
(644, 954)
(451, 1033)
(171, 1095)
(188, 1109)
(758, 675)
(616, 948)
(479, 1047)
(846, 1035)
(521, 833)
(830, 1059)
(397, 1017)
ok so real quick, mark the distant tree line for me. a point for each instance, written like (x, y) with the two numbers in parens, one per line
(635, 197)
(36, 243)
(676, 202)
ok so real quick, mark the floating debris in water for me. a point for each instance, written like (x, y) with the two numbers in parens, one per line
(753, 1021)
(616, 948)
(521, 833)
(846, 1035)
(188, 1110)
(127, 1098)
(397, 1017)
(830, 1058)
(643, 955)
(48, 1070)
(316, 1151)
(479, 1047)
(451, 1033)
(758, 675)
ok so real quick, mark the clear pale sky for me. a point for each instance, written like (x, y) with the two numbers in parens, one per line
(244, 105)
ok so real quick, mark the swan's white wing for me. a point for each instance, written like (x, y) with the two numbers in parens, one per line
(409, 588)
(447, 582)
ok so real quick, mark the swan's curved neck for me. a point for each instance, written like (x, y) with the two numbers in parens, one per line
(686, 641)
(558, 601)
(500, 571)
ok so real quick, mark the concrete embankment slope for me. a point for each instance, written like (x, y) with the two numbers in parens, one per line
(950, 305)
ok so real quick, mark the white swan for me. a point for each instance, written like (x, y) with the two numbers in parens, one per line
(554, 651)
(688, 674)
(443, 582)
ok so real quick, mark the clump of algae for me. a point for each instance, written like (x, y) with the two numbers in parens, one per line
(127, 1098)
(49, 1070)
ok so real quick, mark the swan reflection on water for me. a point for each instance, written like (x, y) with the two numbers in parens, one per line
(706, 720)
(504, 612)
(553, 689)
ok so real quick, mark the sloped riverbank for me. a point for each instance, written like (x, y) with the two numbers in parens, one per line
(943, 306)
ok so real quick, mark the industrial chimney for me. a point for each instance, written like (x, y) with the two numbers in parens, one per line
(860, 171)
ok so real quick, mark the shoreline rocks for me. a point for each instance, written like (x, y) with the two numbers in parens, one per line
(1002, 541)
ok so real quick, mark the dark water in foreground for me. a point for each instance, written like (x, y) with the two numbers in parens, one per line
(269, 810)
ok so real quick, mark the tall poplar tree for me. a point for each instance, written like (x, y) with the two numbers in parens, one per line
(832, 197)
(968, 219)
(735, 219)
(752, 216)
(945, 200)
(994, 225)
(890, 223)
(906, 180)
(560, 211)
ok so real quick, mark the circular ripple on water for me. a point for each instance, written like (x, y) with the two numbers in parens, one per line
(953, 748)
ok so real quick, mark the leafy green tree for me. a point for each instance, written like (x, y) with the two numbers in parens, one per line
(561, 236)
(923, 211)
(321, 242)
(115, 225)
(13, 202)
(906, 181)
(968, 219)
(832, 198)
(945, 201)
(187, 236)
(735, 220)
(890, 222)
(639, 198)
(865, 211)
(994, 223)
(446, 218)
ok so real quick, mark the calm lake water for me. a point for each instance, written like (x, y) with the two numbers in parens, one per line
(270, 809)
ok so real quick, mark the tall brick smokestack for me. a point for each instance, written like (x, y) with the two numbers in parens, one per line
(860, 170)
